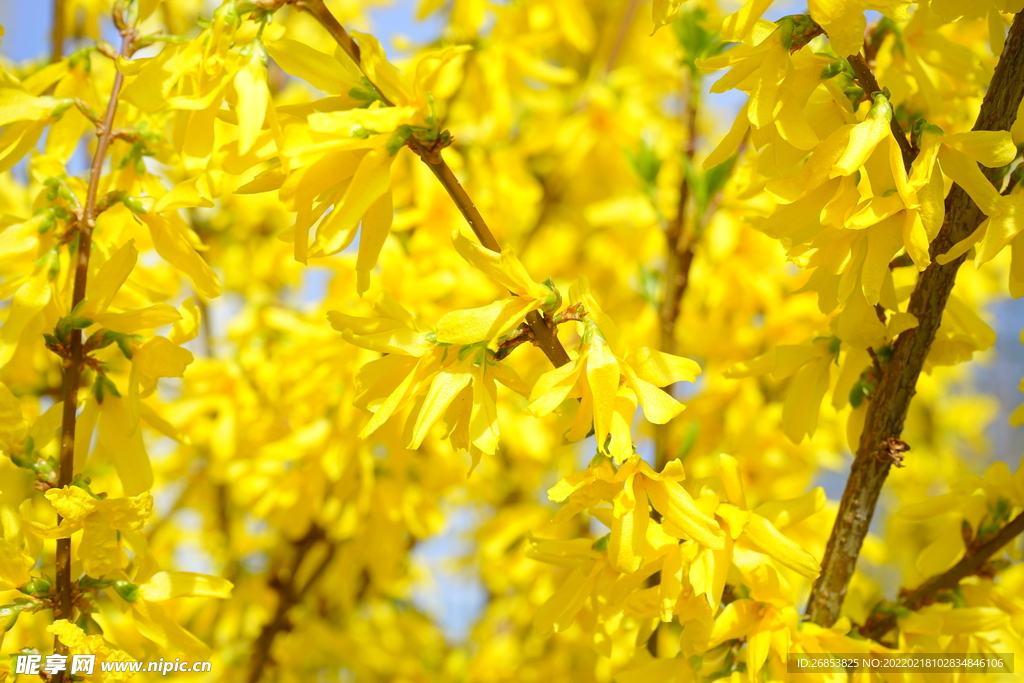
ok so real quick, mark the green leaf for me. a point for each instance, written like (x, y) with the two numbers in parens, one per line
(646, 164)
(37, 587)
(696, 40)
(104, 387)
(689, 440)
(713, 181)
(649, 281)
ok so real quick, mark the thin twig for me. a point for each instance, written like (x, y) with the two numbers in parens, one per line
(58, 31)
(969, 565)
(890, 400)
(680, 245)
(680, 241)
(73, 373)
(289, 595)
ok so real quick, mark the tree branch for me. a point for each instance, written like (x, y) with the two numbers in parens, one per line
(545, 335)
(679, 241)
(289, 595)
(969, 565)
(679, 258)
(73, 372)
(58, 31)
(888, 407)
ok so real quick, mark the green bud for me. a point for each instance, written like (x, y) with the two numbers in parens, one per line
(50, 262)
(553, 301)
(126, 589)
(63, 106)
(363, 94)
(398, 139)
(858, 392)
(79, 323)
(37, 587)
(134, 204)
(881, 107)
(87, 582)
(9, 615)
(104, 386)
(833, 69)
(646, 164)
(122, 343)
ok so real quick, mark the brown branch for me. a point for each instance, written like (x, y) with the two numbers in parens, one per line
(679, 241)
(289, 595)
(58, 31)
(890, 401)
(73, 372)
(971, 564)
(869, 84)
(680, 245)
(544, 332)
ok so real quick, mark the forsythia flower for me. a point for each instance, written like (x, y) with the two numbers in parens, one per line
(152, 619)
(101, 520)
(341, 156)
(193, 79)
(15, 562)
(23, 116)
(76, 640)
(610, 382)
(812, 365)
(981, 504)
(696, 545)
(758, 530)
(489, 322)
(663, 12)
(453, 382)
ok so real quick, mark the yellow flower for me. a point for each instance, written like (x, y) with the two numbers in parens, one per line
(812, 365)
(487, 323)
(765, 627)
(100, 549)
(630, 489)
(456, 383)
(981, 504)
(339, 159)
(609, 383)
(76, 640)
(193, 79)
(758, 529)
(681, 517)
(663, 12)
(23, 118)
(401, 90)
(15, 563)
